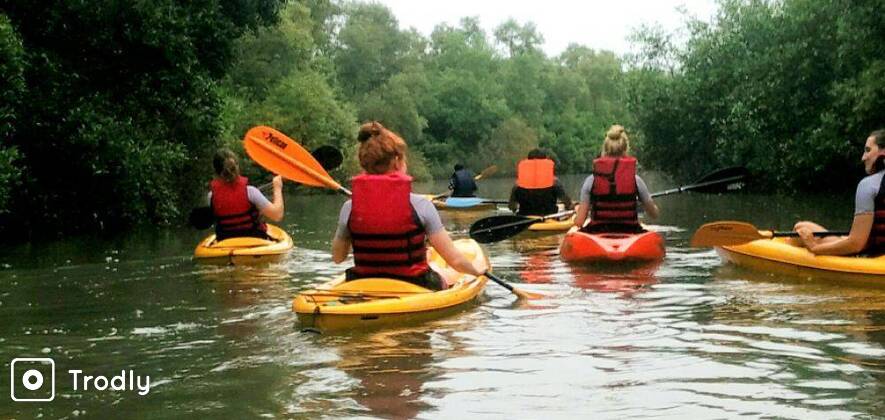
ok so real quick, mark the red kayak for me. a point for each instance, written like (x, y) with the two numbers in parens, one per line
(608, 247)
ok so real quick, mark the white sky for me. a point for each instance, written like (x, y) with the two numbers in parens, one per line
(598, 24)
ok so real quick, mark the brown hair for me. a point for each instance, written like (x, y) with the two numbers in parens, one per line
(879, 137)
(225, 164)
(379, 148)
(616, 142)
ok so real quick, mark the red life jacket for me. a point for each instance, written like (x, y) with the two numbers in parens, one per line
(876, 241)
(614, 195)
(388, 238)
(234, 214)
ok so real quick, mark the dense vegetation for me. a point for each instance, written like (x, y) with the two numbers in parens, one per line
(110, 110)
(790, 89)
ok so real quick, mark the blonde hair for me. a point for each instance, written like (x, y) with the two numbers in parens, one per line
(379, 148)
(616, 142)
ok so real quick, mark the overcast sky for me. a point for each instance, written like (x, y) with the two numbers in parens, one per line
(599, 24)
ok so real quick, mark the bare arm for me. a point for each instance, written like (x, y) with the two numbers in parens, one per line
(513, 205)
(846, 245)
(340, 249)
(581, 211)
(276, 209)
(651, 209)
(446, 248)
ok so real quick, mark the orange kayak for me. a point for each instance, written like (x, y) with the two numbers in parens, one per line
(578, 246)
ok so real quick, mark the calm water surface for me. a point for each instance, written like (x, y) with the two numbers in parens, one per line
(688, 337)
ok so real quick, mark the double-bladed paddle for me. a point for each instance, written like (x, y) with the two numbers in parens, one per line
(329, 157)
(736, 233)
(497, 228)
(723, 180)
(279, 154)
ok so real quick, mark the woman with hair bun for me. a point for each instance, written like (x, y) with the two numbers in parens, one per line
(386, 224)
(610, 195)
(868, 227)
(236, 205)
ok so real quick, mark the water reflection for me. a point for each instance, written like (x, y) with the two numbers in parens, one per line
(607, 278)
(391, 367)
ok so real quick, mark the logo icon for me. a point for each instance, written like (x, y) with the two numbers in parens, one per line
(32, 379)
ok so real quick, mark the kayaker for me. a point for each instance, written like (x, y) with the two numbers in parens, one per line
(462, 182)
(611, 194)
(867, 233)
(236, 205)
(537, 188)
(386, 224)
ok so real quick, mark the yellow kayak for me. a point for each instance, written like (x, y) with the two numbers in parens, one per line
(373, 302)
(778, 255)
(236, 251)
(553, 225)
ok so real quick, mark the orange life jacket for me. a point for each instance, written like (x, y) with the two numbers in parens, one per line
(535, 174)
(388, 238)
(234, 214)
(614, 194)
(535, 191)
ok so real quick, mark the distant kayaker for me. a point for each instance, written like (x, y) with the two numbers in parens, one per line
(462, 182)
(868, 228)
(537, 189)
(236, 205)
(610, 195)
(386, 224)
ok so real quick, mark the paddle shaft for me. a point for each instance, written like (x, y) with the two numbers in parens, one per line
(698, 185)
(527, 222)
(817, 234)
(496, 279)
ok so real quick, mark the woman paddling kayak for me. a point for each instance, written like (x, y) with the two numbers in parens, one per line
(610, 195)
(236, 205)
(868, 228)
(386, 224)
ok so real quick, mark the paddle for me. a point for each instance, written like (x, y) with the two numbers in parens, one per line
(278, 153)
(723, 180)
(487, 172)
(522, 294)
(329, 158)
(496, 228)
(736, 233)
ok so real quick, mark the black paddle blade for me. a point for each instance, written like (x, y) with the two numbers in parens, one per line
(201, 218)
(329, 157)
(497, 228)
(738, 174)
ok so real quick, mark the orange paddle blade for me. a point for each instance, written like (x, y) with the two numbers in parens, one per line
(279, 154)
(726, 233)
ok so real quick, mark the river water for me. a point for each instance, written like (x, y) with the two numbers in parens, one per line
(688, 337)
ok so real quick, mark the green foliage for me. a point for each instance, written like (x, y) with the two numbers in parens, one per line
(121, 96)
(280, 80)
(370, 48)
(509, 143)
(790, 89)
(12, 91)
